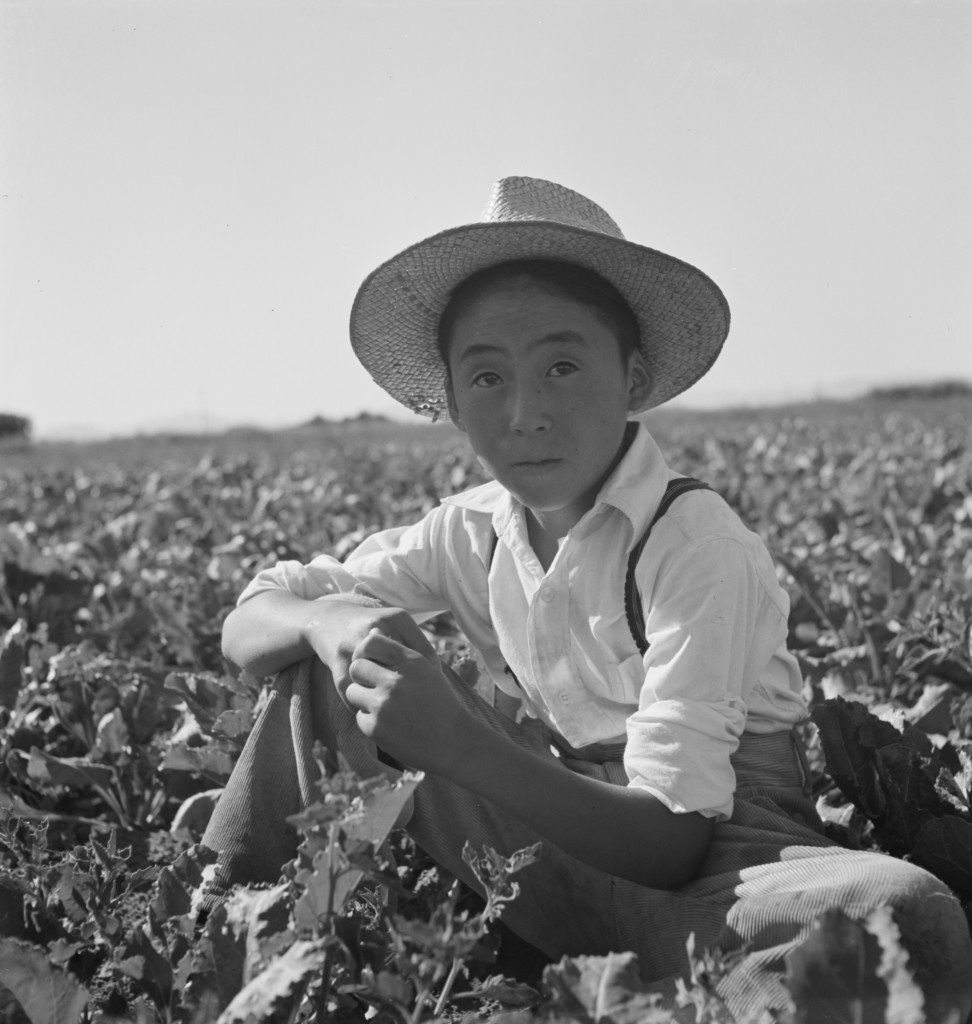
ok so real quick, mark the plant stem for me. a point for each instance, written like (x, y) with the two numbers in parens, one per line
(295, 1008)
(447, 987)
(421, 999)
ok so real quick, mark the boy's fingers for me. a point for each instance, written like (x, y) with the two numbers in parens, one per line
(368, 673)
(365, 716)
(377, 646)
(341, 673)
(360, 697)
(366, 723)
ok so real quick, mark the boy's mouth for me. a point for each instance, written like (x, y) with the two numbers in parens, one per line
(535, 463)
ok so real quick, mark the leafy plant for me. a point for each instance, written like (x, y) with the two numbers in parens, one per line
(915, 795)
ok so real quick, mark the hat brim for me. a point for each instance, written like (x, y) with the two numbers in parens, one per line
(682, 314)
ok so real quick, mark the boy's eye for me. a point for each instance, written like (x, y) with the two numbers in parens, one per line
(562, 368)
(486, 379)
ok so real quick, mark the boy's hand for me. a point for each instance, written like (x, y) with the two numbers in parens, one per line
(349, 619)
(405, 703)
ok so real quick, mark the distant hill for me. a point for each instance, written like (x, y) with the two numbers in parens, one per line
(935, 389)
(362, 417)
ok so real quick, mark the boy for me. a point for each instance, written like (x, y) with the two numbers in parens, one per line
(661, 774)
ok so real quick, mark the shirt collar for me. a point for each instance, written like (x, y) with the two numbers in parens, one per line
(493, 500)
(482, 498)
(635, 488)
(638, 483)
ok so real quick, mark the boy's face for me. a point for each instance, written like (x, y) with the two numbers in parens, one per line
(539, 385)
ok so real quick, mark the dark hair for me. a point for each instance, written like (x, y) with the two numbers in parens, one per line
(567, 279)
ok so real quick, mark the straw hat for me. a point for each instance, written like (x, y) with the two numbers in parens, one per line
(682, 314)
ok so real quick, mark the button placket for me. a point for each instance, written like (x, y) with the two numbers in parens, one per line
(553, 670)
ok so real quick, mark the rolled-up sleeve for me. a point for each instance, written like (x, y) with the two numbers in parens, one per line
(711, 628)
(399, 567)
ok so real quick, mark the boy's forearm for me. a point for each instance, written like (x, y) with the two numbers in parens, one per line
(624, 831)
(269, 632)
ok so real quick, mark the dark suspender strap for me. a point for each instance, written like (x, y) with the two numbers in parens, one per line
(633, 608)
(494, 540)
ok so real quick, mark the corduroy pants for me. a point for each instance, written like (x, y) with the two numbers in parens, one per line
(768, 874)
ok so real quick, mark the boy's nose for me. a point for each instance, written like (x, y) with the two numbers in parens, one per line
(529, 412)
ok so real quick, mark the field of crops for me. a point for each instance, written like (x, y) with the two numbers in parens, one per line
(119, 718)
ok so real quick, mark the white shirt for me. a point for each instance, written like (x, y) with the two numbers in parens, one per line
(715, 619)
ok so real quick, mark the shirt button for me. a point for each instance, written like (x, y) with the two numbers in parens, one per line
(564, 699)
(546, 596)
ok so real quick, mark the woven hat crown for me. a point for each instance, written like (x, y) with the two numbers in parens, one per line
(526, 199)
(682, 316)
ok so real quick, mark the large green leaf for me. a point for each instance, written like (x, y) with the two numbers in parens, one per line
(144, 963)
(832, 974)
(12, 659)
(234, 723)
(944, 847)
(47, 770)
(208, 696)
(212, 760)
(212, 973)
(48, 994)
(853, 971)
(881, 770)
(603, 990)
(332, 876)
(278, 986)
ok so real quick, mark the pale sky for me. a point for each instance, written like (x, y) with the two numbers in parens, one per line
(192, 190)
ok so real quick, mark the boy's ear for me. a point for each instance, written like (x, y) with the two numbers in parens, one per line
(451, 404)
(640, 382)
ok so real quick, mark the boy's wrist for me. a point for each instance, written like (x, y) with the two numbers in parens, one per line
(319, 620)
